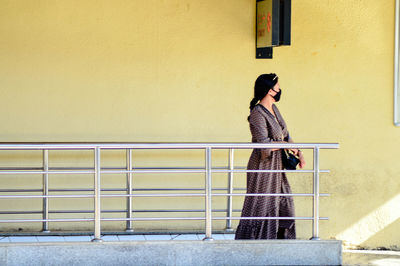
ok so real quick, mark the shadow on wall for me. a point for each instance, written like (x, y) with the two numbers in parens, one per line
(379, 226)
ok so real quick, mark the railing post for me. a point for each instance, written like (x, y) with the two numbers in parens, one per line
(129, 190)
(45, 215)
(230, 191)
(316, 195)
(97, 196)
(208, 191)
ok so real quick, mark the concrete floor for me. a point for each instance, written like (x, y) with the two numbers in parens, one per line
(371, 257)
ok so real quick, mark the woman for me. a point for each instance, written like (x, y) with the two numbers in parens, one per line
(267, 126)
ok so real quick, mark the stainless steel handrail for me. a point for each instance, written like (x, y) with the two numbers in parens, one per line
(129, 170)
(396, 81)
(117, 211)
(133, 145)
(157, 195)
(155, 171)
(154, 219)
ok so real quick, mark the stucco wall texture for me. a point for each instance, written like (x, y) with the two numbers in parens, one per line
(181, 70)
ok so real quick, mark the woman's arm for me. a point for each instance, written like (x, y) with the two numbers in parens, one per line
(289, 139)
(259, 131)
(297, 152)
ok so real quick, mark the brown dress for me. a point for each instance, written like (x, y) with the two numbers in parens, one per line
(265, 128)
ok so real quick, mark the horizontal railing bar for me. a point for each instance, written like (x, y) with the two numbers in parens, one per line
(110, 211)
(157, 219)
(272, 194)
(268, 218)
(46, 147)
(113, 189)
(214, 218)
(269, 171)
(217, 194)
(150, 171)
(46, 220)
(213, 171)
(117, 145)
(156, 195)
(43, 172)
(114, 170)
(28, 172)
(44, 196)
(110, 168)
(104, 195)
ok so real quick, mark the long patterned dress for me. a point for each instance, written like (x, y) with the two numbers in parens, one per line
(266, 128)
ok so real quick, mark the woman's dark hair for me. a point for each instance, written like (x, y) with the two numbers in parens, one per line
(263, 84)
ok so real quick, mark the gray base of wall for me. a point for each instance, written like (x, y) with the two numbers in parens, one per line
(217, 252)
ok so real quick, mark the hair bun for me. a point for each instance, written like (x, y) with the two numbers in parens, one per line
(253, 103)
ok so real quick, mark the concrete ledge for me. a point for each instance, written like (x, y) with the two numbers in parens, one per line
(217, 252)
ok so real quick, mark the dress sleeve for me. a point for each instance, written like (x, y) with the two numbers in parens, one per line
(285, 131)
(286, 134)
(259, 131)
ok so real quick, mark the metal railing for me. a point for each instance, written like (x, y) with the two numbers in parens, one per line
(396, 81)
(129, 170)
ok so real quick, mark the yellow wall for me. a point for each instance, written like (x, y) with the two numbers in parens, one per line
(181, 70)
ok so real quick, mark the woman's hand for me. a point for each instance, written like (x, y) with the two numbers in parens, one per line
(299, 155)
(302, 160)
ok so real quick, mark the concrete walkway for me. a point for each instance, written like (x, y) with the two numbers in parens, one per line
(371, 257)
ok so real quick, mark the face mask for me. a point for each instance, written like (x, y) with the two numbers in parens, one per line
(277, 96)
